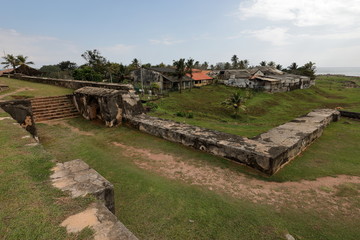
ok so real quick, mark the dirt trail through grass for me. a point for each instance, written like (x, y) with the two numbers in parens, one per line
(322, 192)
(14, 92)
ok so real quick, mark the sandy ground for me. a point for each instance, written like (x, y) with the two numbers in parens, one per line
(320, 193)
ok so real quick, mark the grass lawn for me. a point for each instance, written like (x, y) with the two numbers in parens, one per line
(30, 208)
(32, 89)
(263, 110)
(156, 207)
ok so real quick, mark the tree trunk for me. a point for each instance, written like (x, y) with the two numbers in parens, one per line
(180, 84)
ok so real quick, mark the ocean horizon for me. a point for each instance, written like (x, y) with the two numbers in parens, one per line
(347, 71)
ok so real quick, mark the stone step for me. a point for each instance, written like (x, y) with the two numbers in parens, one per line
(56, 111)
(49, 108)
(50, 102)
(53, 117)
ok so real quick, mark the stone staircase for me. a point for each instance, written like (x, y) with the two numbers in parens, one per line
(50, 108)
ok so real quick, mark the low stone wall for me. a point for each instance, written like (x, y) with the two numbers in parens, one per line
(3, 87)
(267, 152)
(74, 84)
(355, 115)
(21, 111)
(79, 179)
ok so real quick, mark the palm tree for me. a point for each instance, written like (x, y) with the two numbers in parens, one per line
(180, 70)
(11, 60)
(189, 68)
(236, 101)
(263, 63)
(293, 66)
(271, 64)
(22, 60)
(234, 60)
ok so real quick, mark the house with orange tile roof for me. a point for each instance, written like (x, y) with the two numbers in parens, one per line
(200, 77)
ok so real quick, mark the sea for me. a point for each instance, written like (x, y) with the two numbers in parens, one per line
(347, 71)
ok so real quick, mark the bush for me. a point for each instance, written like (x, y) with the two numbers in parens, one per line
(185, 114)
(151, 105)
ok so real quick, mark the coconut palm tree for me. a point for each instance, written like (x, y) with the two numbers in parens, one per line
(180, 70)
(236, 101)
(10, 60)
(293, 66)
(22, 60)
(263, 63)
(189, 69)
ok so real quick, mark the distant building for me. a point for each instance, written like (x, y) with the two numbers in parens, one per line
(200, 77)
(265, 79)
(2, 72)
(163, 78)
(26, 70)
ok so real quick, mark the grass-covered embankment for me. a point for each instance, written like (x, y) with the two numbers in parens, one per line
(156, 207)
(25, 89)
(30, 208)
(263, 110)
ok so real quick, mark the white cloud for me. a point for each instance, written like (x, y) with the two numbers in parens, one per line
(304, 13)
(276, 35)
(42, 50)
(165, 41)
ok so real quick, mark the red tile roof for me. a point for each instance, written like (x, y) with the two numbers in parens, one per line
(200, 75)
(5, 71)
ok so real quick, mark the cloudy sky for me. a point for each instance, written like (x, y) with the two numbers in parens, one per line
(326, 32)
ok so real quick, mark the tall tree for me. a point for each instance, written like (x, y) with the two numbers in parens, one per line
(10, 60)
(22, 60)
(293, 66)
(180, 70)
(235, 61)
(205, 65)
(243, 64)
(95, 60)
(227, 65)
(67, 65)
(263, 63)
(271, 64)
(189, 69)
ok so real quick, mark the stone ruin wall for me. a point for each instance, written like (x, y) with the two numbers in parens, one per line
(74, 84)
(267, 152)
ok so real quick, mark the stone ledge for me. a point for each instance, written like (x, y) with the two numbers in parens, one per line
(266, 152)
(80, 180)
(101, 220)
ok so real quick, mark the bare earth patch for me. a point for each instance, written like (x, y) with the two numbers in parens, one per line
(16, 91)
(319, 193)
(65, 124)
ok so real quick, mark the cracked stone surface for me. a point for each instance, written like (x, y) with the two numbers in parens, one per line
(97, 217)
(266, 152)
(79, 179)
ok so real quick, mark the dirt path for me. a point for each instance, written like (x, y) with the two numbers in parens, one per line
(72, 128)
(16, 91)
(303, 194)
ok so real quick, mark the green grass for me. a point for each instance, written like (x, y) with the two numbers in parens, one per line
(34, 89)
(29, 207)
(154, 207)
(263, 111)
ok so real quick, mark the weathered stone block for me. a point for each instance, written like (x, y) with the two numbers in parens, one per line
(81, 180)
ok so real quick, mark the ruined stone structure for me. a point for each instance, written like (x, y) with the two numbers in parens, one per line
(108, 105)
(21, 111)
(267, 152)
(163, 78)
